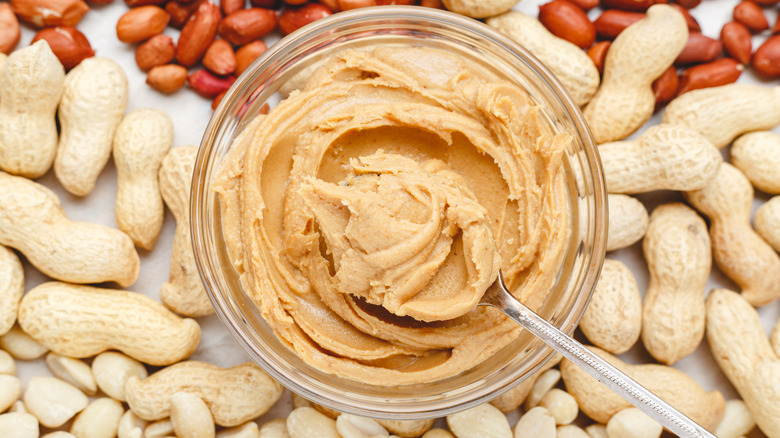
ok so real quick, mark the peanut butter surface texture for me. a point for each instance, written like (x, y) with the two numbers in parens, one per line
(370, 210)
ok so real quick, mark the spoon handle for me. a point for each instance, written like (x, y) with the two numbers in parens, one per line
(601, 370)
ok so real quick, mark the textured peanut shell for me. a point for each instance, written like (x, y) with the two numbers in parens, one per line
(33, 221)
(775, 338)
(183, 292)
(722, 113)
(767, 222)
(738, 250)
(568, 62)
(664, 157)
(234, 395)
(627, 221)
(600, 403)
(613, 318)
(679, 258)
(479, 8)
(757, 155)
(638, 56)
(31, 83)
(742, 351)
(141, 141)
(11, 288)
(92, 106)
(82, 321)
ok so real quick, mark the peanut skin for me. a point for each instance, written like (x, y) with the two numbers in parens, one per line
(33, 222)
(742, 351)
(679, 258)
(234, 395)
(82, 321)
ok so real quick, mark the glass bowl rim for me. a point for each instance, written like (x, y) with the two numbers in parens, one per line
(462, 23)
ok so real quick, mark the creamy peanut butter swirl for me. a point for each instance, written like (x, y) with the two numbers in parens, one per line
(370, 210)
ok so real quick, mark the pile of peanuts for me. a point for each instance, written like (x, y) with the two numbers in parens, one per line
(119, 361)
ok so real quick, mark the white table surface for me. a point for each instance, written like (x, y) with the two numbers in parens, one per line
(190, 114)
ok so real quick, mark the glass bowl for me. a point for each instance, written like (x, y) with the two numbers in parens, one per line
(418, 26)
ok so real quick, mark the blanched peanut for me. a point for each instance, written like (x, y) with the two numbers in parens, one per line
(775, 338)
(141, 141)
(130, 426)
(18, 406)
(627, 221)
(407, 428)
(736, 422)
(21, 345)
(92, 104)
(250, 430)
(10, 390)
(307, 422)
(512, 399)
(353, 426)
(82, 321)
(536, 423)
(7, 363)
(11, 288)
(159, 429)
(613, 318)
(665, 157)
(100, 419)
(679, 258)
(739, 252)
(638, 56)
(767, 222)
(31, 83)
(561, 405)
(59, 434)
(546, 381)
(183, 292)
(53, 401)
(33, 221)
(112, 370)
(722, 113)
(568, 62)
(190, 416)
(19, 425)
(600, 403)
(300, 402)
(597, 431)
(73, 371)
(234, 395)
(570, 431)
(742, 351)
(275, 429)
(757, 155)
(438, 433)
(633, 423)
(481, 420)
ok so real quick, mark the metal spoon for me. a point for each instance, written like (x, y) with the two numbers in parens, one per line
(499, 297)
